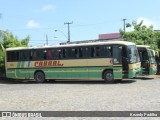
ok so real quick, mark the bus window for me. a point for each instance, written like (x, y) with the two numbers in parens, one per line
(76, 53)
(106, 51)
(72, 53)
(133, 54)
(84, 52)
(24, 55)
(49, 54)
(34, 55)
(44, 54)
(60, 55)
(93, 52)
(12, 56)
(80, 52)
(30, 55)
(40, 54)
(117, 54)
(97, 51)
(64, 53)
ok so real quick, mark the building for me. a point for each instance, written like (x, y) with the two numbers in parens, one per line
(102, 37)
(111, 36)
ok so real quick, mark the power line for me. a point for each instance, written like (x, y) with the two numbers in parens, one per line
(60, 27)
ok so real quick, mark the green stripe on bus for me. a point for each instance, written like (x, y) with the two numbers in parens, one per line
(84, 72)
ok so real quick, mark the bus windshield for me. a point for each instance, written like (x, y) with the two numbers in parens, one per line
(151, 56)
(133, 54)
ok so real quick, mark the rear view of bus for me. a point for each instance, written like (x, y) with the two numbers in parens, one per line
(148, 62)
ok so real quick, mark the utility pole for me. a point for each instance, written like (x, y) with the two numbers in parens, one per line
(68, 23)
(46, 39)
(124, 24)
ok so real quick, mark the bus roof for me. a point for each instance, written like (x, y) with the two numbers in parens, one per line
(143, 46)
(74, 45)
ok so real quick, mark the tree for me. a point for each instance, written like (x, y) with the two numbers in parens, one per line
(141, 35)
(157, 35)
(7, 39)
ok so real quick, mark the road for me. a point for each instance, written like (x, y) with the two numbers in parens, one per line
(128, 95)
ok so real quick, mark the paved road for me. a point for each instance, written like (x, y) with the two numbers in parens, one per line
(128, 95)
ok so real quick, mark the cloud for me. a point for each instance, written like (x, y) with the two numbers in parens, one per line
(33, 24)
(48, 7)
(129, 29)
(45, 8)
(149, 22)
(146, 21)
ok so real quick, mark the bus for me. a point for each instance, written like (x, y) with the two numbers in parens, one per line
(148, 62)
(157, 57)
(108, 61)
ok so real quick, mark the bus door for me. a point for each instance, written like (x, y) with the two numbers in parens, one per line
(124, 55)
(117, 62)
(144, 61)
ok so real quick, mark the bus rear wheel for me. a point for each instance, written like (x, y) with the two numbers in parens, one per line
(108, 77)
(39, 77)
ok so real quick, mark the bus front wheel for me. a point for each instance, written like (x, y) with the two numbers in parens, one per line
(108, 77)
(39, 77)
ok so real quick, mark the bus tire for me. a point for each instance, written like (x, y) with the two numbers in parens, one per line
(108, 76)
(39, 77)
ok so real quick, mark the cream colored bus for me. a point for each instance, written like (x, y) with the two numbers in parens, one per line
(148, 62)
(108, 61)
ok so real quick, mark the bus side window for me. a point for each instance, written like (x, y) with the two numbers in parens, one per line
(76, 53)
(30, 55)
(11, 56)
(80, 52)
(37, 55)
(50, 53)
(8, 56)
(44, 54)
(40, 54)
(64, 53)
(86, 52)
(97, 51)
(109, 51)
(24, 55)
(56, 53)
(117, 54)
(14, 56)
(60, 54)
(93, 52)
(34, 56)
(106, 51)
(72, 53)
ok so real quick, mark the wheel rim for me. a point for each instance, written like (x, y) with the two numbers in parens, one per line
(109, 77)
(39, 77)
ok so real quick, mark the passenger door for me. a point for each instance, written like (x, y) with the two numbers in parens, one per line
(117, 62)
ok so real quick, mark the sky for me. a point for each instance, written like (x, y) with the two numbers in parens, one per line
(38, 18)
